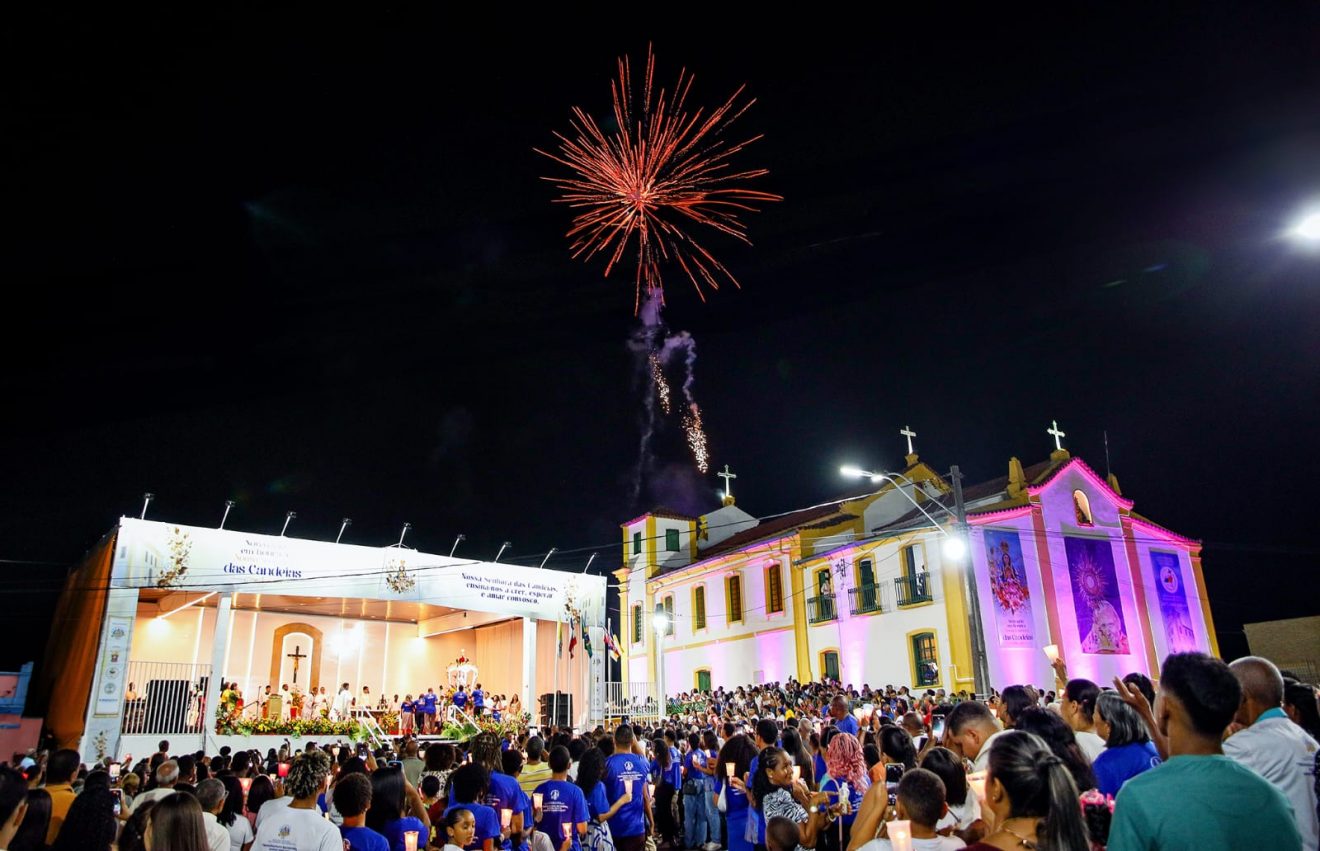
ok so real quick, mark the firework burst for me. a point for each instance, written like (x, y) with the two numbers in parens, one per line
(696, 437)
(664, 169)
(660, 382)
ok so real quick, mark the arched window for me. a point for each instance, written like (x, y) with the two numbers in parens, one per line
(733, 598)
(1082, 506)
(698, 607)
(774, 589)
(925, 658)
(637, 623)
(668, 604)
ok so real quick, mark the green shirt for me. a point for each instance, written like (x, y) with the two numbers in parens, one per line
(1202, 803)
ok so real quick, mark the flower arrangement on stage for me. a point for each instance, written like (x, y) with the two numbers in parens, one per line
(240, 725)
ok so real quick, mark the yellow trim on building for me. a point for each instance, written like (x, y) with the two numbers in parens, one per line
(801, 644)
(648, 635)
(957, 614)
(912, 657)
(699, 624)
(743, 637)
(1195, 557)
(729, 619)
(838, 655)
(696, 677)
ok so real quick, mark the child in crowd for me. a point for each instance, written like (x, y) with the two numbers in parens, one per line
(460, 828)
(782, 834)
(352, 796)
(921, 803)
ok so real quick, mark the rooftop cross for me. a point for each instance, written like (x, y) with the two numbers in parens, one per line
(909, 434)
(1054, 430)
(728, 484)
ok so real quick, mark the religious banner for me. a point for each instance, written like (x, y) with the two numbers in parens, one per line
(1008, 589)
(1095, 595)
(114, 664)
(1178, 632)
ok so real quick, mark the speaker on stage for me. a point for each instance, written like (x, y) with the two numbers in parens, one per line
(562, 710)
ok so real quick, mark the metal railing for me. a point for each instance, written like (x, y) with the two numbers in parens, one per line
(913, 589)
(631, 700)
(166, 697)
(866, 599)
(821, 609)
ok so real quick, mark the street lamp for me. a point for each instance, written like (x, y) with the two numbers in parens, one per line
(661, 623)
(1307, 228)
(954, 548)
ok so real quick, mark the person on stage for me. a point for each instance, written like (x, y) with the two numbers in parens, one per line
(428, 708)
(406, 716)
(460, 698)
(343, 703)
(478, 701)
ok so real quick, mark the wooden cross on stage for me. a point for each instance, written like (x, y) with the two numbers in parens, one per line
(295, 656)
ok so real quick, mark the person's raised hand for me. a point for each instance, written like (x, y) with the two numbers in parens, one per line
(1060, 669)
(1133, 697)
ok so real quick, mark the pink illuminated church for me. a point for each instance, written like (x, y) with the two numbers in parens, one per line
(896, 586)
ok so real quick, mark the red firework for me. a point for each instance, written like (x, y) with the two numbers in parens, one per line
(663, 169)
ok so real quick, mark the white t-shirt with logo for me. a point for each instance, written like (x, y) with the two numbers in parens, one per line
(937, 843)
(296, 829)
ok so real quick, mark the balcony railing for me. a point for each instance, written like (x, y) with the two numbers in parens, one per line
(914, 589)
(821, 609)
(865, 600)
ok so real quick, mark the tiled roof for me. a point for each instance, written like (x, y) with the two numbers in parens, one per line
(1034, 475)
(661, 511)
(776, 527)
(833, 520)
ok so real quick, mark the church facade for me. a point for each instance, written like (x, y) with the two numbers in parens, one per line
(884, 588)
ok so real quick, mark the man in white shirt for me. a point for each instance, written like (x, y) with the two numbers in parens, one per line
(299, 825)
(343, 702)
(211, 795)
(167, 774)
(1270, 744)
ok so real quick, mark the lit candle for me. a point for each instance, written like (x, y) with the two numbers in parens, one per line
(334, 751)
(630, 786)
(650, 791)
(797, 773)
(284, 770)
(1051, 652)
(728, 769)
(900, 835)
(537, 799)
(410, 840)
(246, 783)
(506, 818)
(976, 782)
(568, 829)
(273, 777)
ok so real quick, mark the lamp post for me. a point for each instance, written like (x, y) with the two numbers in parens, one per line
(954, 548)
(1307, 229)
(661, 622)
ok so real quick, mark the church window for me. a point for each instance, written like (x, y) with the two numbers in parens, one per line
(829, 664)
(699, 607)
(637, 623)
(909, 561)
(637, 543)
(925, 659)
(774, 589)
(1082, 506)
(733, 598)
(668, 605)
(671, 540)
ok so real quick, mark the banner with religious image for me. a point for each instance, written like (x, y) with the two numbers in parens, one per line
(1172, 594)
(1095, 593)
(1014, 623)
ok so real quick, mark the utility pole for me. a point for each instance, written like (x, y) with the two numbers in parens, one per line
(980, 670)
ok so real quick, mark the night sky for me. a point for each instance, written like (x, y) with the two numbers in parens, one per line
(309, 264)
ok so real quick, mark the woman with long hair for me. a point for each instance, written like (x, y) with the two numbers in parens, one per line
(261, 791)
(1032, 797)
(176, 825)
(778, 796)
(738, 751)
(1058, 735)
(791, 742)
(231, 816)
(667, 774)
(1077, 703)
(133, 836)
(467, 786)
(396, 807)
(31, 835)
(91, 823)
(897, 748)
(847, 771)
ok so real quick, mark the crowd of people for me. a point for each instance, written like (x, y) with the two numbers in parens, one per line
(422, 714)
(1221, 757)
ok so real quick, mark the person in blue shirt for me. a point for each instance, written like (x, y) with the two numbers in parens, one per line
(739, 752)
(1128, 748)
(626, 772)
(478, 701)
(352, 799)
(843, 719)
(467, 786)
(391, 797)
(428, 711)
(563, 806)
(590, 779)
(503, 792)
(767, 736)
(460, 698)
(667, 774)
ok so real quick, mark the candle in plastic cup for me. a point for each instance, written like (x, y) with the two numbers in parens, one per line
(797, 773)
(900, 835)
(728, 769)
(410, 840)
(273, 777)
(506, 818)
(284, 770)
(246, 783)
(976, 782)
(568, 829)
(537, 799)
(650, 791)
(1052, 652)
(630, 786)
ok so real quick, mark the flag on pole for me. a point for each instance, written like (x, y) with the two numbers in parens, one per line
(572, 637)
(611, 643)
(559, 639)
(586, 637)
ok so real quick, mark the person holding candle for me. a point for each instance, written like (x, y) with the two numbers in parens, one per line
(625, 771)
(1032, 798)
(846, 774)
(563, 806)
(777, 794)
(667, 775)
(352, 797)
(1077, 705)
(396, 807)
(734, 762)
(299, 824)
(468, 785)
(591, 771)
(920, 806)
(503, 792)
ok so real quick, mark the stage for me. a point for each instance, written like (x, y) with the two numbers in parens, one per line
(306, 617)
